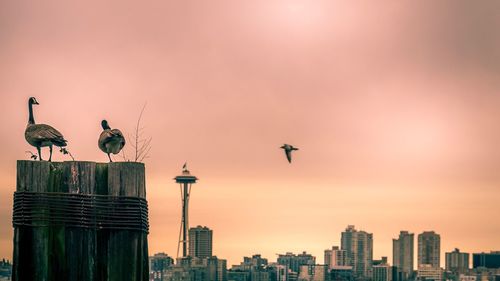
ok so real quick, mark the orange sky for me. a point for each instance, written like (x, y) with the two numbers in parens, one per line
(394, 107)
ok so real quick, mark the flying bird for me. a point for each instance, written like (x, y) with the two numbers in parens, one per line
(288, 151)
(110, 140)
(41, 135)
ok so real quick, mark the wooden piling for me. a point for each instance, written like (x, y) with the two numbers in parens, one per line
(67, 252)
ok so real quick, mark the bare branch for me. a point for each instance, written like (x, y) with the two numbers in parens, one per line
(33, 155)
(64, 151)
(141, 145)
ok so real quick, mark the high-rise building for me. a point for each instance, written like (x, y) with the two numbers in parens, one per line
(341, 273)
(260, 275)
(321, 273)
(293, 262)
(349, 243)
(306, 272)
(313, 273)
(429, 249)
(216, 268)
(160, 262)
(175, 273)
(428, 272)
(282, 272)
(359, 250)
(222, 270)
(238, 275)
(5, 270)
(456, 261)
(200, 242)
(256, 261)
(487, 260)
(402, 254)
(382, 272)
(197, 269)
(335, 257)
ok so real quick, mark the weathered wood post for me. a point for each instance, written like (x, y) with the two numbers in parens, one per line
(80, 221)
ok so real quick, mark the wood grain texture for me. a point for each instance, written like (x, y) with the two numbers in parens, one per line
(65, 253)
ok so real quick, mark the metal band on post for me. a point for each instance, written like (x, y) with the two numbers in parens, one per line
(37, 209)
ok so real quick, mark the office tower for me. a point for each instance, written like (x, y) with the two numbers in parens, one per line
(259, 275)
(293, 262)
(160, 262)
(457, 262)
(238, 275)
(397, 275)
(328, 257)
(349, 243)
(256, 261)
(428, 272)
(313, 273)
(216, 268)
(222, 270)
(341, 273)
(281, 272)
(487, 260)
(5, 270)
(335, 257)
(429, 247)
(359, 249)
(306, 272)
(402, 254)
(382, 272)
(200, 242)
(175, 273)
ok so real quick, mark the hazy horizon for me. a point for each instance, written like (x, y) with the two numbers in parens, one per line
(394, 107)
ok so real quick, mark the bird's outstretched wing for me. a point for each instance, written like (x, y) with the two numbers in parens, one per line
(288, 155)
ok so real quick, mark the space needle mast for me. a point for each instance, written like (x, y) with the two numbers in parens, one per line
(185, 181)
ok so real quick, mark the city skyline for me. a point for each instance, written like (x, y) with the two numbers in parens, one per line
(394, 107)
(337, 255)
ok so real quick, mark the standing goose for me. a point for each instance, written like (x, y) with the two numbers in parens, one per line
(40, 135)
(111, 140)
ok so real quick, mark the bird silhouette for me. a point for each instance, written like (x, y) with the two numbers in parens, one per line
(110, 140)
(288, 151)
(41, 135)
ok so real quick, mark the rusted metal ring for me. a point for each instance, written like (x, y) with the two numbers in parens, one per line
(91, 211)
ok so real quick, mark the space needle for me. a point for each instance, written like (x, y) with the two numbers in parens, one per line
(185, 181)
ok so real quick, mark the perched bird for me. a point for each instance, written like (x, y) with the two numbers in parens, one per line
(40, 135)
(288, 151)
(111, 140)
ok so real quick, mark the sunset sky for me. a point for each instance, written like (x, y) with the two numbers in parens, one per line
(394, 105)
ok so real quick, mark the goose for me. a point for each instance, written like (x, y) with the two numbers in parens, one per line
(40, 135)
(110, 140)
(288, 151)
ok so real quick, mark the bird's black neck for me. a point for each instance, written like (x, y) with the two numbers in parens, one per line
(31, 119)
